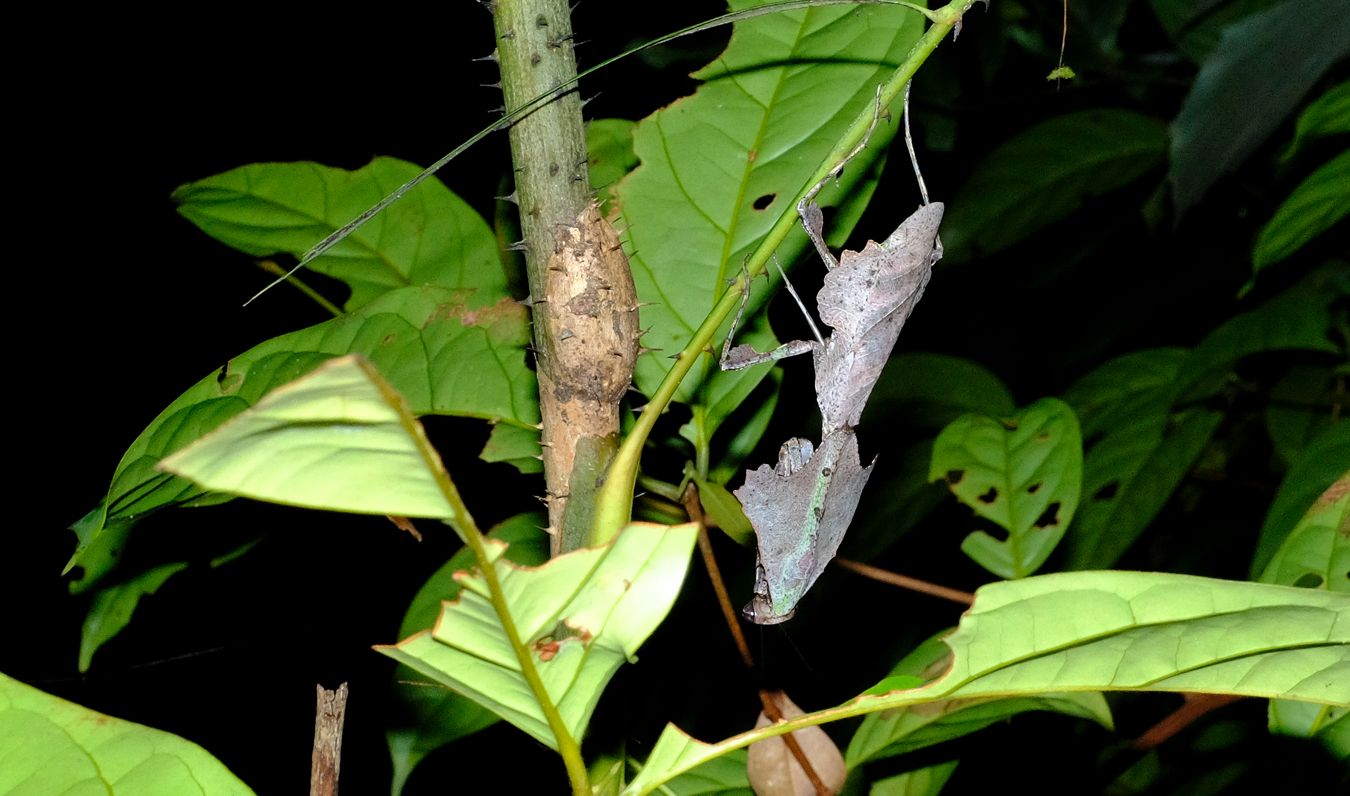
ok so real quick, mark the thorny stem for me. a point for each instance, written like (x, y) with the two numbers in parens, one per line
(464, 525)
(614, 502)
(338, 235)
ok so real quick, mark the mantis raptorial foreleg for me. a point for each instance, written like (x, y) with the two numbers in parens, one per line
(812, 218)
(743, 356)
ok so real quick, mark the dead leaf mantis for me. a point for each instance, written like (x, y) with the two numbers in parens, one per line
(801, 508)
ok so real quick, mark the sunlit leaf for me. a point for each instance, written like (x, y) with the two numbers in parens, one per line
(906, 729)
(429, 237)
(1313, 207)
(1089, 631)
(339, 438)
(1225, 117)
(49, 745)
(1044, 173)
(427, 716)
(581, 616)
(1023, 473)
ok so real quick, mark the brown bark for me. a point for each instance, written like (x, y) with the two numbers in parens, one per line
(326, 759)
(582, 296)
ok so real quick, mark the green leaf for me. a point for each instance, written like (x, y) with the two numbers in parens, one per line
(517, 446)
(721, 167)
(339, 438)
(610, 144)
(443, 355)
(1105, 631)
(1316, 553)
(1129, 475)
(1225, 117)
(112, 608)
(1300, 409)
(1327, 115)
(1327, 725)
(932, 390)
(1321, 463)
(429, 237)
(896, 505)
(581, 615)
(1196, 25)
(426, 718)
(747, 434)
(1312, 208)
(722, 776)
(1023, 473)
(1044, 173)
(926, 781)
(1126, 388)
(723, 396)
(1299, 319)
(49, 746)
(725, 510)
(907, 729)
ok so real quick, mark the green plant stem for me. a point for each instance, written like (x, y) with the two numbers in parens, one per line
(463, 523)
(276, 270)
(614, 502)
(538, 101)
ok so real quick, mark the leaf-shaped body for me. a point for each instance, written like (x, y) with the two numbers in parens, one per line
(866, 299)
(800, 511)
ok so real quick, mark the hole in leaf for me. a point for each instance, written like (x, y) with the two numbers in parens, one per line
(1309, 580)
(1043, 436)
(1107, 492)
(990, 496)
(1034, 488)
(763, 202)
(954, 476)
(1009, 423)
(1049, 518)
